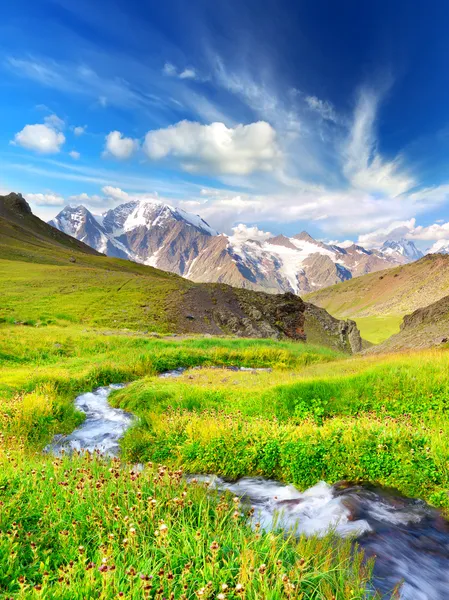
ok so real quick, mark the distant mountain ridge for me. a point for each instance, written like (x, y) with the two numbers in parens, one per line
(158, 235)
(44, 267)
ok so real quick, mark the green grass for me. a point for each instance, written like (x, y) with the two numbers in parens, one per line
(382, 420)
(377, 329)
(44, 368)
(83, 528)
(86, 294)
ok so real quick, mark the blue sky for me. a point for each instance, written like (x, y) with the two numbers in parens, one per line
(318, 115)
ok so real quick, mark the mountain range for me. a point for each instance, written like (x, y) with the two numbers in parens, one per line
(46, 274)
(174, 240)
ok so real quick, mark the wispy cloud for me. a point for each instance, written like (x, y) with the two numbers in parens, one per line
(187, 73)
(80, 79)
(323, 108)
(364, 167)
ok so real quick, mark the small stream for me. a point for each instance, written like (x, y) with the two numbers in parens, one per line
(100, 431)
(409, 539)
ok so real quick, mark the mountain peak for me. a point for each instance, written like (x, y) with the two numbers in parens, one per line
(304, 237)
(281, 240)
(16, 204)
(403, 247)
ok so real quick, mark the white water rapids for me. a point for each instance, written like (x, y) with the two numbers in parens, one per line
(409, 538)
(100, 431)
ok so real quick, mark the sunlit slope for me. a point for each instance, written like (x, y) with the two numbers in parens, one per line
(378, 301)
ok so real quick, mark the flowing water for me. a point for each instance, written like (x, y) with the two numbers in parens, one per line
(409, 539)
(100, 431)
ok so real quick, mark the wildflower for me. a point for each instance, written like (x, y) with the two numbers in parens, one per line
(224, 587)
(262, 569)
(163, 529)
(239, 588)
(214, 546)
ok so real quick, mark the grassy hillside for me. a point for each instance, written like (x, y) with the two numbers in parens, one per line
(379, 301)
(424, 328)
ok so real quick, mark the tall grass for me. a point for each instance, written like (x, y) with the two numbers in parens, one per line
(383, 420)
(47, 367)
(84, 528)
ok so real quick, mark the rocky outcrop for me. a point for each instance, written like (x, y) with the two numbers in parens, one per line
(222, 309)
(323, 329)
(424, 328)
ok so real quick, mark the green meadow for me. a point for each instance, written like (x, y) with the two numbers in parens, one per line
(85, 527)
(377, 329)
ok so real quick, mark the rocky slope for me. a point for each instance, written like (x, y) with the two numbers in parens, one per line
(43, 267)
(424, 328)
(396, 291)
(17, 222)
(159, 235)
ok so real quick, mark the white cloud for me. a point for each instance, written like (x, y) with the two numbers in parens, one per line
(119, 196)
(40, 138)
(54, 122)
(171, 71)
(408, 230)
(87, 199)
(188, 73)
(241, 233)
(119, 146)
(74, 154)
(394, 231)
(437, 231)
(364, 167)
(438, 246)
(49, 199)
(240, 150)
(115, 193)
(80, 130)
(322, 107)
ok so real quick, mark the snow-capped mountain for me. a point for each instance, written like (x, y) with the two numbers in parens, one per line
(171, 239)
(439, 247)
(81, 224)
(403, 247)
